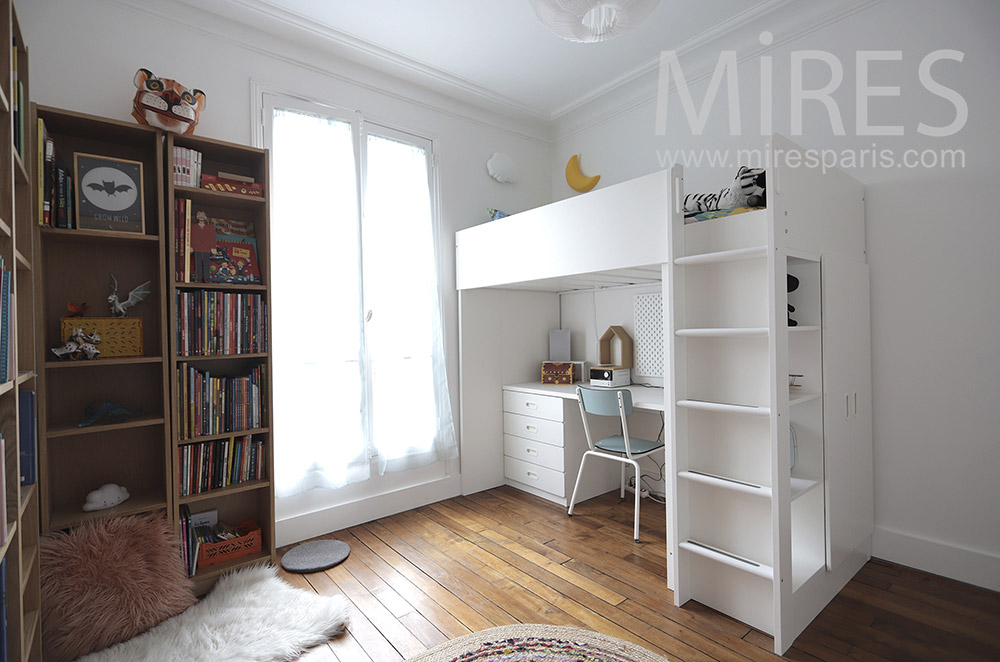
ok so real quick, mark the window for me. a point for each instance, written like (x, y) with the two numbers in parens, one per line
(360, 384)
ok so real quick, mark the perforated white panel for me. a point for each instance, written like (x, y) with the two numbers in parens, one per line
(649, 335)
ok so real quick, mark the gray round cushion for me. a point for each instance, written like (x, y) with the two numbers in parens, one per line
(315, 555)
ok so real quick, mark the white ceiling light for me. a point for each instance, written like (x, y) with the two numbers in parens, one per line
(588, 21)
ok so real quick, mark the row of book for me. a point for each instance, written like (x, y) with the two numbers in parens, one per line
(27, 466)
(215, 323)
(55, 184)
(197, 529)
(21, 112)
(6, 311)
(187, 171)
(228, 247)
(187, 166)
(218, 405)
(211, 465)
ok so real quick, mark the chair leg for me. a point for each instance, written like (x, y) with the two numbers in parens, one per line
(621, 493)
(637, 489)
(576, 486)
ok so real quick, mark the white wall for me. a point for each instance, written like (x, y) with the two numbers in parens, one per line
(932, 237)
(84, 54)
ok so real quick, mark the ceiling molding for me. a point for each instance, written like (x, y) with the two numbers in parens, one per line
(736, 22)
(219, 25)
(703, 68)
(368, 53)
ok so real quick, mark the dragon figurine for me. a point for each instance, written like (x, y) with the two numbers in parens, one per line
(95, 412)
(119, 308)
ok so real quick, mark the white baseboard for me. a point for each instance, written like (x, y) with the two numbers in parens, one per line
(319, 522)
(937, 557)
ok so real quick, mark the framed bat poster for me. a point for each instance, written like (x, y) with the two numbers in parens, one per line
(108, 193)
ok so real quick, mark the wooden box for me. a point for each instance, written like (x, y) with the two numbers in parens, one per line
(249, 542)
(561, 372)
(120, 336)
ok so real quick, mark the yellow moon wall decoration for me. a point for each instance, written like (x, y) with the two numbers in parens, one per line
(576, 179)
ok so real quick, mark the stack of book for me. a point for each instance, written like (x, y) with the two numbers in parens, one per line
(55, 184)
(6, 310)
(218, 405)
(187, 166)
(216, 323)
(210, 465)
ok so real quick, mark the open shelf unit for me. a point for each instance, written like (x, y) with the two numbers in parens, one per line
(19, 545)
(76, 265)
(751, 481)
(251, 499)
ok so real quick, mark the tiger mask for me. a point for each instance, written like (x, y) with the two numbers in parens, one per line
(166, 104)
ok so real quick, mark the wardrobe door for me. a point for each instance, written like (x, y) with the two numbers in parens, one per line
(847, 408)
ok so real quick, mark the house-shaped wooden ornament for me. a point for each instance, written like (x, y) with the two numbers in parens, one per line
(606, 346)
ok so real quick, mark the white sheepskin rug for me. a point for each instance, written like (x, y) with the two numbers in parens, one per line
(249, 616)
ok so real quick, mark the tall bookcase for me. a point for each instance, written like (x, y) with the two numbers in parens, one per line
(76, 265)
(17, 250)
(220, 309)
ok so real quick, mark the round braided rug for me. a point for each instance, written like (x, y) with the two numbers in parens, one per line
(537, 643)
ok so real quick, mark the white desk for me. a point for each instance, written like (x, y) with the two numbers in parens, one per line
(544, 440)
(649, 398)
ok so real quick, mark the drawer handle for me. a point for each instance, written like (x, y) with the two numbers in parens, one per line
(530, 405)
(532, 475)
(531, 451)
(531, 428)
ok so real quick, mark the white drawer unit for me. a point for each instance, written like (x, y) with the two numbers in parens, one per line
(543, 445)
(531, 404)
(537, 429)
(534, 452)
(541, 478)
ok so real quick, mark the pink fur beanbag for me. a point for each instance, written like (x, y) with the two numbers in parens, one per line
(108, 580)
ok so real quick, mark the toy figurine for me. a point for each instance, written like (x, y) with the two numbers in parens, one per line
(79, 344)
(119, 307)
(94, 412)
(108, 495)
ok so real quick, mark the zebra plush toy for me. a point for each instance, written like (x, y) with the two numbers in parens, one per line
(747, 190)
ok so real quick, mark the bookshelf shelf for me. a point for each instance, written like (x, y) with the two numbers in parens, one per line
(221, 286)
(56, 432)
(5, 228)
(11, 536)
(219, 198)
(83, 239)
(248, 486)
(66, 517)
(216, 437)
(7, 387)
(102, 363)
(252, 499)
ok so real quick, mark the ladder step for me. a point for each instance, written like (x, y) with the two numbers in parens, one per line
(728, 558)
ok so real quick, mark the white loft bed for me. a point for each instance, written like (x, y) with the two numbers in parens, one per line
(805, 532)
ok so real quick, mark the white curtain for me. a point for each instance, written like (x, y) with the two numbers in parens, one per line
(412, 420)
(358, 348)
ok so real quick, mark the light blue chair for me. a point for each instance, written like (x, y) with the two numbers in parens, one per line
(620, 447)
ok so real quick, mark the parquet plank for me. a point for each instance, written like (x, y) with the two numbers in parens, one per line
(448, 600)
(375, 645)
(465, 564)
(419, 601)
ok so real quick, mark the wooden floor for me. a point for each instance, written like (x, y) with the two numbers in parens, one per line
(422, 577)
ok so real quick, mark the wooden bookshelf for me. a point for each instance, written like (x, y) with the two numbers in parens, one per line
(76, 265)
(251, 499)
(18, 251)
